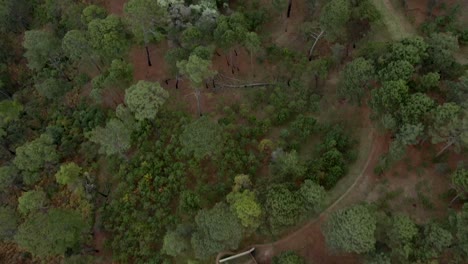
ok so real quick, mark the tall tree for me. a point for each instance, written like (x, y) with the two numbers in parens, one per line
(351, 229)
(70, 174)
(147, 21)
(51, 233)
(32, 201)
(9, 220)
(202, 138)
(76, 46)
(449, 125)
(197, 70)
(217, 229)
(355, 79)
(42, 47)
(333, 18)
(10, 110)
(460, 183)
(246, 207)
(145, 99)
(283, 206)
(252, 43)
(33, 156)
(107, 37)
(313, 195)
(114, 138)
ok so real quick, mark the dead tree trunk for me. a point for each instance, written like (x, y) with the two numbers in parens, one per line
(289, 8)
(317, 37)
(148, 56)
(445, 148)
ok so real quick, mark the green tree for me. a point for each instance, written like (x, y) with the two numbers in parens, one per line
(435, 239)
(410, 134)
(253, 43)
(351, 229)
(9, 223)
(33, 156)
(217, 229)
(459, 225)
(288, 257)
(76, 46)
(115, 138)
(10, 110)
(41, 47)
(313, 195)
(246, 207)
(396, 70)
(460, 183)
(283, 206)
(32, 201)
(416, 108)
(449, 125)
(202, 138)
(51, 233)
(197, 70)
(92, 12)
(412, 50)
(389, 97)
(355, 79)
(145, 99)
(52, 88)
(334, 17)
(107, 37)
(175, 242)
(8, 175)
(146, 19)
(441, 48)
(189, 201)
(241, 182)
(429, 81)
(288, 166)
(69, 174)
(400, 236)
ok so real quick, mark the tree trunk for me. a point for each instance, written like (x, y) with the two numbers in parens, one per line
(289, 8)
(177, 81)
(445, 148)
(197, 96)
(148, 56)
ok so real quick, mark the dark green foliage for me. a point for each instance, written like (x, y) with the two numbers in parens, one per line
(51, 233)
(8, 176)
(287, 167)
(107, 37)
(217, 229)
(202, 138)
(355, 79)
(351, 229)
(288, 257)
(189, 202)
(313, 195)
(9, 223)
(32, 201)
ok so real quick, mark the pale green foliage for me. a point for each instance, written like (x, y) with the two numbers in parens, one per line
(355, 79)
(196, 69)
(69, 174)
(9, 223)
(246, 207)
(401, 234)
(174, 243)
(32, 201)
(113, 139)
(8, 174)
(288, 257)
(76, 45)
(351, 230)
(396, 70)
(145, 99)
(51, 233)
(241, 182)
(91, 13)
(410, 134)
(34, 155)
(313, 195)
(202, 138)
(334, 17)
(460, 182)
(288, 166)
(145, 17)
(107, 37)
(217, 229)
(41, 46)
(252, 42)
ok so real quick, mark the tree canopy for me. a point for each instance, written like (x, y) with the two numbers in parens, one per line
(145, 98)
